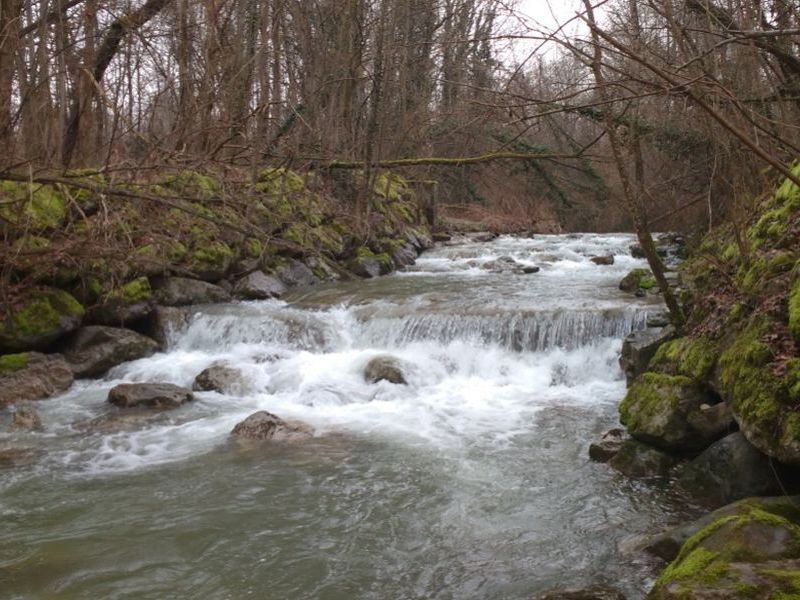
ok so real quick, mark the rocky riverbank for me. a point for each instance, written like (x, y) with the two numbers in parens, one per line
(715, 410)
(94, 280)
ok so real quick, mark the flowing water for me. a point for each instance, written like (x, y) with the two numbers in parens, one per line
(472, 481)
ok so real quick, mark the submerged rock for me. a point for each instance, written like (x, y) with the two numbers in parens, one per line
(595, 592)
(164, 322)
(219, 378)
(150, 395)
(264, 426)
(93, 350)
(749, 551)
(636, 459)
(258, 286)
(26, 418)
(729, 470)
(385, 368)
(130, 419)
(608, 446)
(33, 376)
(182, 291)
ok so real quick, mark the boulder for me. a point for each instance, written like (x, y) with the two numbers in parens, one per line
(258, 286)
(603, 260)
(127, 304)
(501, 265)
(637, 280)
(714, 421)
(385, 368)
(729, 470)
(657, 408)
(130, 419)
(637, 251)
(33, 376)
(182, 291)
(595, 592)
(659, 319)
(419, 239)
(482, 236)
(405, 256)
(636, 459)
(164, 322)
(296, 274)
(365, 266)
(26, 418)
(441, 237)
(751, 552)
(529, 270)
(639, 347)
(149, 395)
(39, 319)
(93, 350)
(263, 426)
(667, 544)
(608, 446)
(219, 378)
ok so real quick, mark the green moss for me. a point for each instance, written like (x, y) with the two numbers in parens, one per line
(690, 357)
(650, 394)
(636, 279)
(794, 311)
(279, 182)
(697, 567)
(193, 184)
(253, 248)
(136, 291)
(364, 252)
(176, 252)
(39, 207)
(13, 362)
(763, 269)
(42, 313)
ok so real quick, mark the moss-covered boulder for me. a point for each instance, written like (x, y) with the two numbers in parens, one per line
(752, 553)
(210, 260)
(638, 279)
(763, 403)
(368, 264)
(38, 319)
(656, 411)
(31, 206)
(32, 376)
(125, 304)
(690, 357)
(794, 310)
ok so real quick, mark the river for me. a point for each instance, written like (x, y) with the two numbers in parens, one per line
(473, 481)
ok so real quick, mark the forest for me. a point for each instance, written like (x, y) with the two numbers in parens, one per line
(198, 201)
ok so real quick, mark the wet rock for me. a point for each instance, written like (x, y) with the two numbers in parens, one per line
(38, 320)
(264, 426)
(667, 544)
(660, 319)
(219, 378)
(656, 411)
(595, 592)
(441, 237)
(258, 286)
(365, 266)
(33, 376)
(182, 291)
(637, 251)
(603, 260)
(501, 265)
(296, 274)
(131, 419)
(729, 470)
(26, 418)
(164, 322)
(748, 553)
(404, 256)
(420, 240)
(15, 457)
(93, 350)
(149, 395)
(639, 347)
(482, 236)
(529, 270)
(608, 446)
(636, 280)
(714, 421)
(636, 459)
(385, 368)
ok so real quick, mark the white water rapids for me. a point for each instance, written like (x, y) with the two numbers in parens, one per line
(471, 481)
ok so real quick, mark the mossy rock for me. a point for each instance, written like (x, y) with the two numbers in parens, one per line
(211, 261)
(794, 310)
(754, 278)
(760, 401)
(656, 411)
(637, 279)
(752, 553)
(38, 207)
(194, 184)
(686, 356)
(13, 362)
(43, 316)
